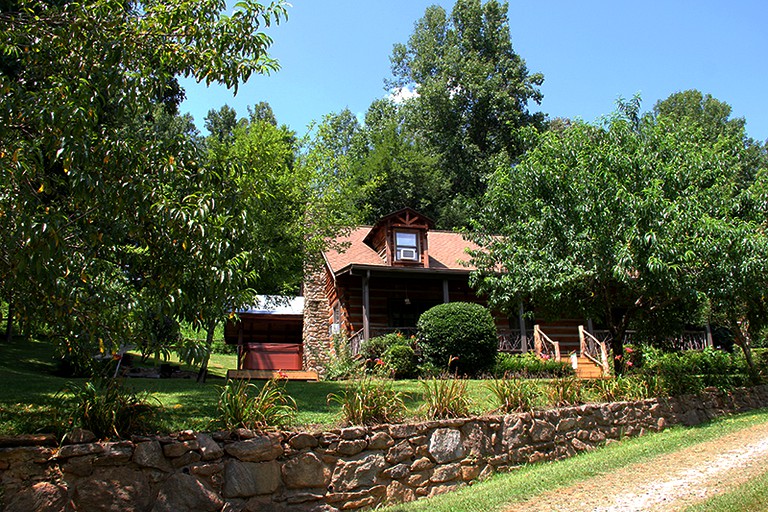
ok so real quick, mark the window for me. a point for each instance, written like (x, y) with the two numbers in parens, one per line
(406, 246)
(336, 325)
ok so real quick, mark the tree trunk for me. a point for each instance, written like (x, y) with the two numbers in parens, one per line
(203, 373)
(9, 322)
(617, 347)
(742, 338)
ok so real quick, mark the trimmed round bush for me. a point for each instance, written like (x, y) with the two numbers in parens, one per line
(461, 330)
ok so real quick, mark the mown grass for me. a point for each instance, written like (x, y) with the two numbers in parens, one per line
(751, 496)
(28, 388)
(530, 481)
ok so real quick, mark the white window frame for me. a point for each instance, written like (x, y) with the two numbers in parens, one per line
(401, 248)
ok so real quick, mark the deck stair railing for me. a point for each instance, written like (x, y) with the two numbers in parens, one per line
(544, 346)
(595, 350)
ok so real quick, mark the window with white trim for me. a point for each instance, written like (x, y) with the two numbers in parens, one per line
(407, 246)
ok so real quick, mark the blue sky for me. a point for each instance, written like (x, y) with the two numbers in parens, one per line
(335, 54)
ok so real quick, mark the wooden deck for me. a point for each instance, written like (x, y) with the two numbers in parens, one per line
(272, 374)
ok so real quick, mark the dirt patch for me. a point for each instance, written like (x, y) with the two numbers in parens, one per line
(669, 482)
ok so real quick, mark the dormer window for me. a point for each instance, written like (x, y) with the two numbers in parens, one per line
(407, 246)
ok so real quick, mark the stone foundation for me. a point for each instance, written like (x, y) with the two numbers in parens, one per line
(343, 469)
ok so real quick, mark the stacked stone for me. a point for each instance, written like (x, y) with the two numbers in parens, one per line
(344, 469)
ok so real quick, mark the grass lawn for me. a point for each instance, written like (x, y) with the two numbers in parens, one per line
(29, 387)
(535, 479)
(751, 496)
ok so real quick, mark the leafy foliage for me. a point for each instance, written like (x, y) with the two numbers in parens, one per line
(243, 405)
(472, 97)
(104, 199)
(342, 364)
(528, 365)
(691, 371)
(402, 361)
(630, 220)
(459, 332)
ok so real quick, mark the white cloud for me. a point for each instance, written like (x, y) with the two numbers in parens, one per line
(402, 94)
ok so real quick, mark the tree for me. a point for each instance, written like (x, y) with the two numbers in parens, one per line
(254, 201)
(732, 242)
(91, 190)
(393, 168)
(607, 220)
(221, 124)
(473, 94)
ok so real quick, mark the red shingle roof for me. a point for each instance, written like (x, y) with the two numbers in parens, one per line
(447, 251)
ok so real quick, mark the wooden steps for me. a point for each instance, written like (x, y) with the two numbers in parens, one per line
(587, 369)
(272, 374)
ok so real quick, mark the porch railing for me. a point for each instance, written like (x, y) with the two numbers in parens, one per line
(355, 341)
(544, 346)
(690, 340)
(687, 340)
(511, 340)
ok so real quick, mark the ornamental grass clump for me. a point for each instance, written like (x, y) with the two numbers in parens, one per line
(243, 405)
(445, 397)
(513, 394)
(370, 401)
(563, 392)
(621, 388)
(108, 409)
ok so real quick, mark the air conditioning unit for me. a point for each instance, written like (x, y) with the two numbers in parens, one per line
(407, 254)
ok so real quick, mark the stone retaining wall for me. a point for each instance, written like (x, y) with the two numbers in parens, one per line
(343, 469)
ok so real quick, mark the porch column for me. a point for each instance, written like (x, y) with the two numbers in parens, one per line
(446, 295)
(523, 335)
(366, 306)
(710, 344)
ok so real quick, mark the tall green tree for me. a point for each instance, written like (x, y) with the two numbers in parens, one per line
(393, 168)
(732, 242)
(608, 221)
(90, 190)
(473, 95)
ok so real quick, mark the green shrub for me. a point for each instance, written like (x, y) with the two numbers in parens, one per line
(374, 348)
(691, 371)
(528, 365)
(459, 331)
(243, 404)
(401, 361)
(445, 397)
(513, 394)
(369, 401)
(393, 351)
(108, 409)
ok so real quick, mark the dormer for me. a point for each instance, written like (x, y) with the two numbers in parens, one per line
(400, 238)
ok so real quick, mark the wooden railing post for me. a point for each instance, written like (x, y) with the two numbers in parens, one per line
(604, 359)
(582, 341)
(537, 340)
